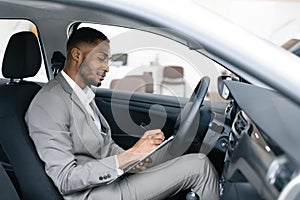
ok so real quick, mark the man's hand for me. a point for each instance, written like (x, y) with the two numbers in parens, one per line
(142, 166)
(149, 141)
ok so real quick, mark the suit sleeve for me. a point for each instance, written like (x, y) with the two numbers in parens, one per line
(48, 119)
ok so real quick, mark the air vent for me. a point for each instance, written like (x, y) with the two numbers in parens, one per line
(240, 123)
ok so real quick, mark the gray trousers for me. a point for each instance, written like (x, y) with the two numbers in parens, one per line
(192, 171)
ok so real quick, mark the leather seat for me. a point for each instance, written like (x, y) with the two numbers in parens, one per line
(22, 59)
(7, 189)
(173, 81)
(133, 83)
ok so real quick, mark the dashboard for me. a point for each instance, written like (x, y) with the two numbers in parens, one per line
(256, 154)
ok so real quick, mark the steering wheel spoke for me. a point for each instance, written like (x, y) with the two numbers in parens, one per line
(187, 122)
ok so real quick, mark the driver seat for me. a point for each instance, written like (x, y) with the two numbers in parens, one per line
(22, 59)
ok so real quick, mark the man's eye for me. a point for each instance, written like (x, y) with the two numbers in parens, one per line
(102, 59)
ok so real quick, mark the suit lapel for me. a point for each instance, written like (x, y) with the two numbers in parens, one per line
(88, 117)
(74, 98)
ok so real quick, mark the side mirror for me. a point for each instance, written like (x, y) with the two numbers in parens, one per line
(119, 59)
(222, 88)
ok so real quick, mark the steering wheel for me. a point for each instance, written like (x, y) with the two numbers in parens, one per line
(187, 122)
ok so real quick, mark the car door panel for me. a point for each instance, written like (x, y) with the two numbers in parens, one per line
(126, 111)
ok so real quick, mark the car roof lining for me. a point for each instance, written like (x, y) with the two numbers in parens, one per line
(103, 16)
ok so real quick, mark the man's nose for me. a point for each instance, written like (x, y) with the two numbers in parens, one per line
(107, 67)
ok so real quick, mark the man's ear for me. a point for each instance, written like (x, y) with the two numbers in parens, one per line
(76, 54)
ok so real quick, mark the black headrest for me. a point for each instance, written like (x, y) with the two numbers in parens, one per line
(22, 56)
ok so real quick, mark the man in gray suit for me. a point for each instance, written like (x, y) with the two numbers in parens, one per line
(74, 140)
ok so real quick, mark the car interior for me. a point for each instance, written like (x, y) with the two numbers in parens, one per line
(17, 95)
(243, 139)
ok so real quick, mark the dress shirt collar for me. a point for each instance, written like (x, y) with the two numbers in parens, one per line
(85, 95)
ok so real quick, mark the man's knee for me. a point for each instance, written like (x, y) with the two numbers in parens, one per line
(197, 159)
(200, 164)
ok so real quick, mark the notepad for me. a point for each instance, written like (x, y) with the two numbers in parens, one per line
(130, 167)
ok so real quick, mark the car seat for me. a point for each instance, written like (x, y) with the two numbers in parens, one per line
(22, 59)
(6, 187)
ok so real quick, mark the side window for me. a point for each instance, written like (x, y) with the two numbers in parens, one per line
(10, 27)
(146, 62)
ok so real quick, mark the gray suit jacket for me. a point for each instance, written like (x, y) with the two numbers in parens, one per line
(77, 157)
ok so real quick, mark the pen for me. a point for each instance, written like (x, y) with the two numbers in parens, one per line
(144, 126)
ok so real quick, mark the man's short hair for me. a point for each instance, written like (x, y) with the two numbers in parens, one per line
(85, 34)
